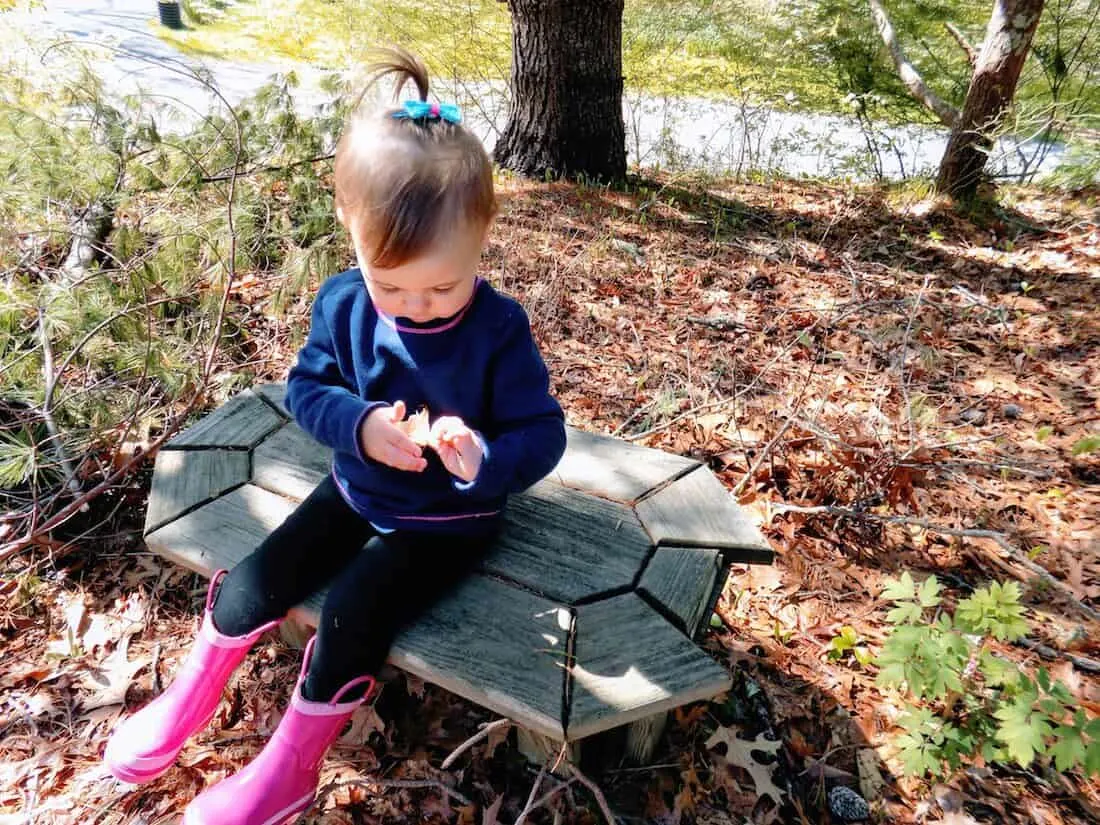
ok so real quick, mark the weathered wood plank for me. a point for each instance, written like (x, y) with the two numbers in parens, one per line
(184, 478)
(223, 532)
(697, 511)
(242, 422)
(631, 663)
(275, 395)
(615, 469)
(492, 643)
(566, 544)
(290, 462)
(681, 579)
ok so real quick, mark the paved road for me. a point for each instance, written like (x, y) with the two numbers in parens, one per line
(136, 59)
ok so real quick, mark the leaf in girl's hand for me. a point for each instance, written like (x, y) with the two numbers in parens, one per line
(418, 427)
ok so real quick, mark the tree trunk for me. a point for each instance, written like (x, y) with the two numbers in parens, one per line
(566, 114)
(992, 87)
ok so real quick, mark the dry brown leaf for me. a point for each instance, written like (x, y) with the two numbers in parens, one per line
(739, 753)
(75, 613)
(109, 682)
(364, 722)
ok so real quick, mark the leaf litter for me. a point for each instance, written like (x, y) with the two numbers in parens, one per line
(842, 349)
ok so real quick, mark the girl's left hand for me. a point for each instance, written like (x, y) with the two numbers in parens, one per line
(457, 446)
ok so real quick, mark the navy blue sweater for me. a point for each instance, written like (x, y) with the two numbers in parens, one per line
(481, 365)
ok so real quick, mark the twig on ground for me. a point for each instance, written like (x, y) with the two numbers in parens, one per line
(760, 459)
(722, 323)
(531, 796)
(542, 800)
(596, 792)
(642, 409)
(1017, 555)
(153, 669)
(710, 405)
(766, 452)
(1048, 652)
(973, 462)
(473, 740)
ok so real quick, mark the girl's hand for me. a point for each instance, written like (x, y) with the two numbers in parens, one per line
(458, 447)
(384, 441)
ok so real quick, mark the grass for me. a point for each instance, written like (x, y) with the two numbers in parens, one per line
(719, 48)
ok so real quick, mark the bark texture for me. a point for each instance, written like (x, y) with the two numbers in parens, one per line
(566, 117)
(992, 87)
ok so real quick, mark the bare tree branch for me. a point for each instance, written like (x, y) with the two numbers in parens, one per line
(967, 46)
(473, 740)
(907, 71)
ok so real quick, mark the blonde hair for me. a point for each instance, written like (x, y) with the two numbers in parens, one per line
(402, 183)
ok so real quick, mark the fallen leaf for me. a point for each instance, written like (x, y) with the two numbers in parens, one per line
(109, 682)
(364, 722)
(75, 613)
(739, 753)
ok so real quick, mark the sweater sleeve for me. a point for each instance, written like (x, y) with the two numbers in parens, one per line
(526, 435)
(317, 394)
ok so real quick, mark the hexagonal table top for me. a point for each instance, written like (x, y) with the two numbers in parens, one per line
(580, 620)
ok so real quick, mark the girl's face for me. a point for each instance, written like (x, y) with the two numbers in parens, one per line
(437, 284)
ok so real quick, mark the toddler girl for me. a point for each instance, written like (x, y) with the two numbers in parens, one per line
(406, 512)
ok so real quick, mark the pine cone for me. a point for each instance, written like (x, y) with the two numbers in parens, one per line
(848, 806)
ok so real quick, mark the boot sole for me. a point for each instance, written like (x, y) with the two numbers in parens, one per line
(287, 816)
(139, 775)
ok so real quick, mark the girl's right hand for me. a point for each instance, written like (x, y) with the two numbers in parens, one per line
(387, 443)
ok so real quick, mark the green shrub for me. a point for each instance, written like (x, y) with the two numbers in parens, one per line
(970, 701)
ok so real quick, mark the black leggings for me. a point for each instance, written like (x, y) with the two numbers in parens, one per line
(378, 584)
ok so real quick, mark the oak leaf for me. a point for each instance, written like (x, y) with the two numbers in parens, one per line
(739, 753)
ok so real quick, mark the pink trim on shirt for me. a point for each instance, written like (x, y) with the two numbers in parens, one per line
(392, 322)
(450, 518)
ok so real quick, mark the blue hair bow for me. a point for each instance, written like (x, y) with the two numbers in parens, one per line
(417, 109)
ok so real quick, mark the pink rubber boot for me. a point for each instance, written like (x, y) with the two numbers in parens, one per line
(278, 786)
(145, 745)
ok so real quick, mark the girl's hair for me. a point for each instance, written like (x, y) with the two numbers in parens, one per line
(403, 183)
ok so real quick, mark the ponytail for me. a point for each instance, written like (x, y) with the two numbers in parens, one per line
(394, 60)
